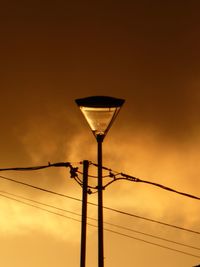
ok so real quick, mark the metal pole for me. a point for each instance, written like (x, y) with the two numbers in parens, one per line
(100, 203)
(84, 213)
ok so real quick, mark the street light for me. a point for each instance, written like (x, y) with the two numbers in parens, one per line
(100, 112)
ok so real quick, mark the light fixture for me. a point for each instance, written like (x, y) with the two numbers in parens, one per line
(100, 112)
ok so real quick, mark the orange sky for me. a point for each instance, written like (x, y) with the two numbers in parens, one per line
(146, 53)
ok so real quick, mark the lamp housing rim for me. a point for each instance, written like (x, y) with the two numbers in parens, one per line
(100, 102)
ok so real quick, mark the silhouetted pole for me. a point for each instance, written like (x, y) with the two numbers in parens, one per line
(84, 213)
(100, 203)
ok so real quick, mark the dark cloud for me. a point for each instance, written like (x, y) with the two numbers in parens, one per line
(147, 53)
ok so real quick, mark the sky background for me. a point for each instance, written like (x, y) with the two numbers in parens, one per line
(146, 52)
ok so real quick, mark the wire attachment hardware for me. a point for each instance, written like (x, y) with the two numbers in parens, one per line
(73, 172)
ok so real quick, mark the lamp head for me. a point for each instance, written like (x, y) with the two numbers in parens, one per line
(100, 112)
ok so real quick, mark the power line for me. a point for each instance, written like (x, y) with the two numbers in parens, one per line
(34, 206)
(58, 164)
(152, 220)
(109, 230)
(105, 207)
(108, 223)
(41, 203)
(114, 176)
(150, 235)
(152, 243)
(40, 188)
(135, 179)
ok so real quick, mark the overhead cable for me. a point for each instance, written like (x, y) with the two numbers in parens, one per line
(40, 188)
(58, 164)
(152, 243)
(105, 207)
(134, 179)
(114, 175)
(105, 222)
(109, 230)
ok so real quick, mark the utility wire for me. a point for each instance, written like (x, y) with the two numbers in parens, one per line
(34, 206)
(126, 176)
(108, 223)
(135, 179)
(40, 203)
(151, 220)
(58, 164)
(40, 188)
(152, 243)
(105, 207)
(153, 236)
(109, 230)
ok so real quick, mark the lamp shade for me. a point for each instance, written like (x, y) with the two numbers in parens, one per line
(100, 112)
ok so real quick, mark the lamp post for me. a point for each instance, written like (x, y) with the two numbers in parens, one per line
(100, 112)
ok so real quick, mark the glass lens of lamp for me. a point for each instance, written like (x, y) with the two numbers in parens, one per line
(99, 118)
